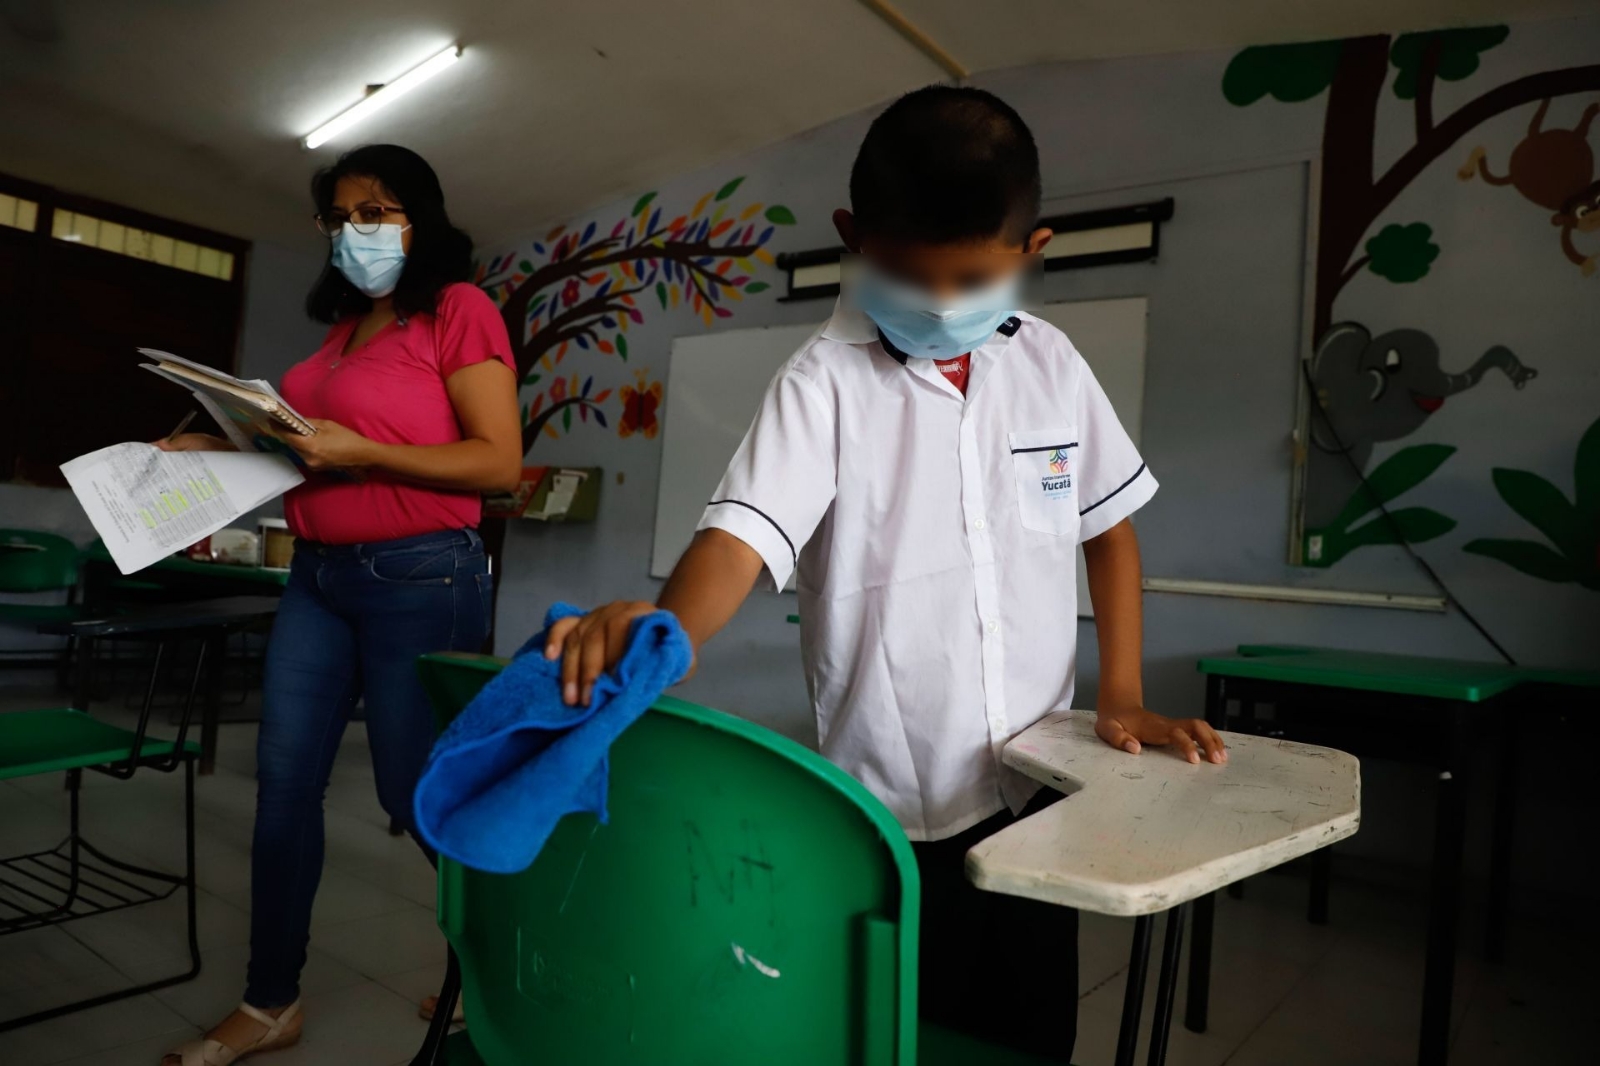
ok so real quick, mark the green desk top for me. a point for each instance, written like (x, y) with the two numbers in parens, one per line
(1530, 674)
(97, 553)
(1403, 675)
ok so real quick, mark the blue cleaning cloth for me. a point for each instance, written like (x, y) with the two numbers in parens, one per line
(517, 758)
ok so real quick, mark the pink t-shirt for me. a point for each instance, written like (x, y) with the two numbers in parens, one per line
(392, 389)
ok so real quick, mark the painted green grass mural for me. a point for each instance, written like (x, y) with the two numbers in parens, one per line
(1570, 551)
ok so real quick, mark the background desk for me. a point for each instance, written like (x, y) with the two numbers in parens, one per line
(178, 577)
(1143, 834)
(1410, 708)
(208, 622)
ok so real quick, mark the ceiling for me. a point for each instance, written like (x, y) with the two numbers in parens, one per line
(194, 108)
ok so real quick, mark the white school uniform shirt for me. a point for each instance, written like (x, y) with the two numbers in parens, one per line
(936, 538)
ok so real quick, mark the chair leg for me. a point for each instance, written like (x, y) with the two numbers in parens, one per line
(74, 785)
(433, 1045)
(189, 867)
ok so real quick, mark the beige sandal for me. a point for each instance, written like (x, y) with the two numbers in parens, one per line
(430, 1004)
(206, 1052)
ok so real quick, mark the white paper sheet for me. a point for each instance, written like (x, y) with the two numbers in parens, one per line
(146, 503)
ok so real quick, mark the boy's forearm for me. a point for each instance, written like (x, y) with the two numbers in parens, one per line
(1116, 590)
(710, 582)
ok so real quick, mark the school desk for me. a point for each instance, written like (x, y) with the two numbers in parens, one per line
(1139, 835)
(180, 575)
(1411, 708)
(208, 623)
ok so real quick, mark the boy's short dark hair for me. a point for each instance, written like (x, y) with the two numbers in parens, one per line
(947, 164)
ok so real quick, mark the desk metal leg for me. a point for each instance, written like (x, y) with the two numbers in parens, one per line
(1167, 985)
(1321, 876)
(1197, 1011)
(213, 648)
(1205, 908)
(1444, 905)
(83, 675)
(1133, 994)
(1505, 814)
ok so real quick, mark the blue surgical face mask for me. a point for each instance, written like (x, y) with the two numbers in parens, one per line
(372, 262)
(924, 326)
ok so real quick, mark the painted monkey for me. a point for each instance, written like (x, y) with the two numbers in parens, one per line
(1379, 389)
(1554, 169)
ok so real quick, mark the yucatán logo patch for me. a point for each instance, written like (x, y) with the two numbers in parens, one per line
(1046, 463)
(1058, 482)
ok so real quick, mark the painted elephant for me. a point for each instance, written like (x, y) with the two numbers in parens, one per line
(1378, 389)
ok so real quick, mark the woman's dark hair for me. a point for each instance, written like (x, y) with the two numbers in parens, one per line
(440, 253)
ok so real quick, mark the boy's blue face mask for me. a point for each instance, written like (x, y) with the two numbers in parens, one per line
(372, 262)
(924, 326)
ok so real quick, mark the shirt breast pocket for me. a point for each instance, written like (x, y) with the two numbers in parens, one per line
(1045, 463)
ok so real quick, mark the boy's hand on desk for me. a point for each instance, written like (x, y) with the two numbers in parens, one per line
(591, 644)
(1130, 728)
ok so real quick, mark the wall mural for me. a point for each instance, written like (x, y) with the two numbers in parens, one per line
(1555, 170)
(1385, 388)
(1572, 527)
(580, 290)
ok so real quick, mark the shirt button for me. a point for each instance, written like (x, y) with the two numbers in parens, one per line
(992, 627)
(979, 524)
(998, 723)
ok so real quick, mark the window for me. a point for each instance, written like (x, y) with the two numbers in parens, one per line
(18, 213)
(138, 243)
(82, 284)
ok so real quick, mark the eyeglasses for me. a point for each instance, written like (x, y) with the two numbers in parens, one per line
(365, 220)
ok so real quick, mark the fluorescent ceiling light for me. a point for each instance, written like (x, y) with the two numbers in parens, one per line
(381, 98)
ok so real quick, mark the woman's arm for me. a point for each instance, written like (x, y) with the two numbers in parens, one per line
(488, 457)
(195, 442)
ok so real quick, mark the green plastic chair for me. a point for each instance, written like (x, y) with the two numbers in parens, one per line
(32, 561)
(75, 879)
(747, 902)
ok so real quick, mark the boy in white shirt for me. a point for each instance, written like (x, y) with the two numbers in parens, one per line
(930, 460)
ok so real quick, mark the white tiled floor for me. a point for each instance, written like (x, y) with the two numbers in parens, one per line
(1285, 993)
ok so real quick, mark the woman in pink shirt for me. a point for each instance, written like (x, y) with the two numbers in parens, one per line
(414, 396)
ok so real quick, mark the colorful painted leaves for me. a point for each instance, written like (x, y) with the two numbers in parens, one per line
(581, 289)
(1571, 550)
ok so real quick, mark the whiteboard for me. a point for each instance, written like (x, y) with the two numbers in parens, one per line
(1110, 335)
(714, 386)
(716, 380)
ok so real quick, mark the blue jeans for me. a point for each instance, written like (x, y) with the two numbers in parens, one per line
(352, 622)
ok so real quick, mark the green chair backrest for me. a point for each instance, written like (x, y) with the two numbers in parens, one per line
(747, 902)
(32, 561)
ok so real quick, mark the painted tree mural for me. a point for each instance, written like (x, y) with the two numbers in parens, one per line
(1356, 191)
(579, 290)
